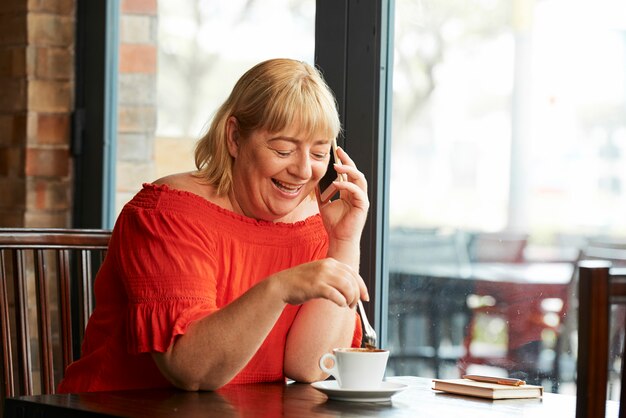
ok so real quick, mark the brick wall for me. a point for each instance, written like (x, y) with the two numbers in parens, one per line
(36, 102)
(136, 97)
(37, 85)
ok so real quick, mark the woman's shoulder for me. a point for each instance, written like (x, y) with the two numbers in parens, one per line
(191, 186)
(183, 194)
(191, 183)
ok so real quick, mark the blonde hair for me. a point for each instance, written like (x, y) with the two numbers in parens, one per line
(272, 95)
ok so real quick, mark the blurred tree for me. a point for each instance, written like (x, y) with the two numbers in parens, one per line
(184, 62)
(425, 30)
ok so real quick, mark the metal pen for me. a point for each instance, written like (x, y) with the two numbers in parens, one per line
(492, 379)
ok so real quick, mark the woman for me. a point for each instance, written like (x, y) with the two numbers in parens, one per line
(234, 273)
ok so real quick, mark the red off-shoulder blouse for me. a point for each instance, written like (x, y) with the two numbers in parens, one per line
(174, 258)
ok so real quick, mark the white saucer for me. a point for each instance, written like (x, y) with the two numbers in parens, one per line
(383, 394)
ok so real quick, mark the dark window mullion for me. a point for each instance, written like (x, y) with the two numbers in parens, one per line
(350, 41)
(94, 120)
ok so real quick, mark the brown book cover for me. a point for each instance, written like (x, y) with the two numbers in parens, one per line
(487, 390)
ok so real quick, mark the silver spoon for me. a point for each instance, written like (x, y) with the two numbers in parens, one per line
(370, 337)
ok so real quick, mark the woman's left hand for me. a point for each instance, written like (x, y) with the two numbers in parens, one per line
(344, 218)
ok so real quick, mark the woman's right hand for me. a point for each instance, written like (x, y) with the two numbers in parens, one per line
(345, 218)
(327, 278)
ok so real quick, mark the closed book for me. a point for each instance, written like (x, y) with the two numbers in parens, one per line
(487, 390)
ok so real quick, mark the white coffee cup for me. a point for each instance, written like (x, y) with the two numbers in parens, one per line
(356, 368)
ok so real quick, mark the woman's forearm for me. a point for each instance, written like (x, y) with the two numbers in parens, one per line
(214, 349)
(347, 252)
(319, 327)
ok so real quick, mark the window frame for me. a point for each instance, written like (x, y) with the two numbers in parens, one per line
(94, 121)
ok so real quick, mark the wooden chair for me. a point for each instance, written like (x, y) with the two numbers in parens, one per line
(46, 298)
(600, 287)
(614, 251)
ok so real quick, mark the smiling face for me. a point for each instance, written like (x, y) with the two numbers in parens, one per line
(273, 173)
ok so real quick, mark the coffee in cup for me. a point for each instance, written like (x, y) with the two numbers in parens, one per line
(356, 368)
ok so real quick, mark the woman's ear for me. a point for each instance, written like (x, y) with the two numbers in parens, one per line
(232, 136)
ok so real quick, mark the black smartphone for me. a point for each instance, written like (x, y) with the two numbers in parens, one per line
(326, 191)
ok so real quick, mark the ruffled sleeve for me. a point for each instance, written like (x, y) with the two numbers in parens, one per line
(169, 272)
(152, 327)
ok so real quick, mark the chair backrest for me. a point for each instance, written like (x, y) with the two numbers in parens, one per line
(505, 247)
(600, 287)
(610, 249)
(46, 298)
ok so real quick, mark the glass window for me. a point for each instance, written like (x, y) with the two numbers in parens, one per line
(508, 148)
